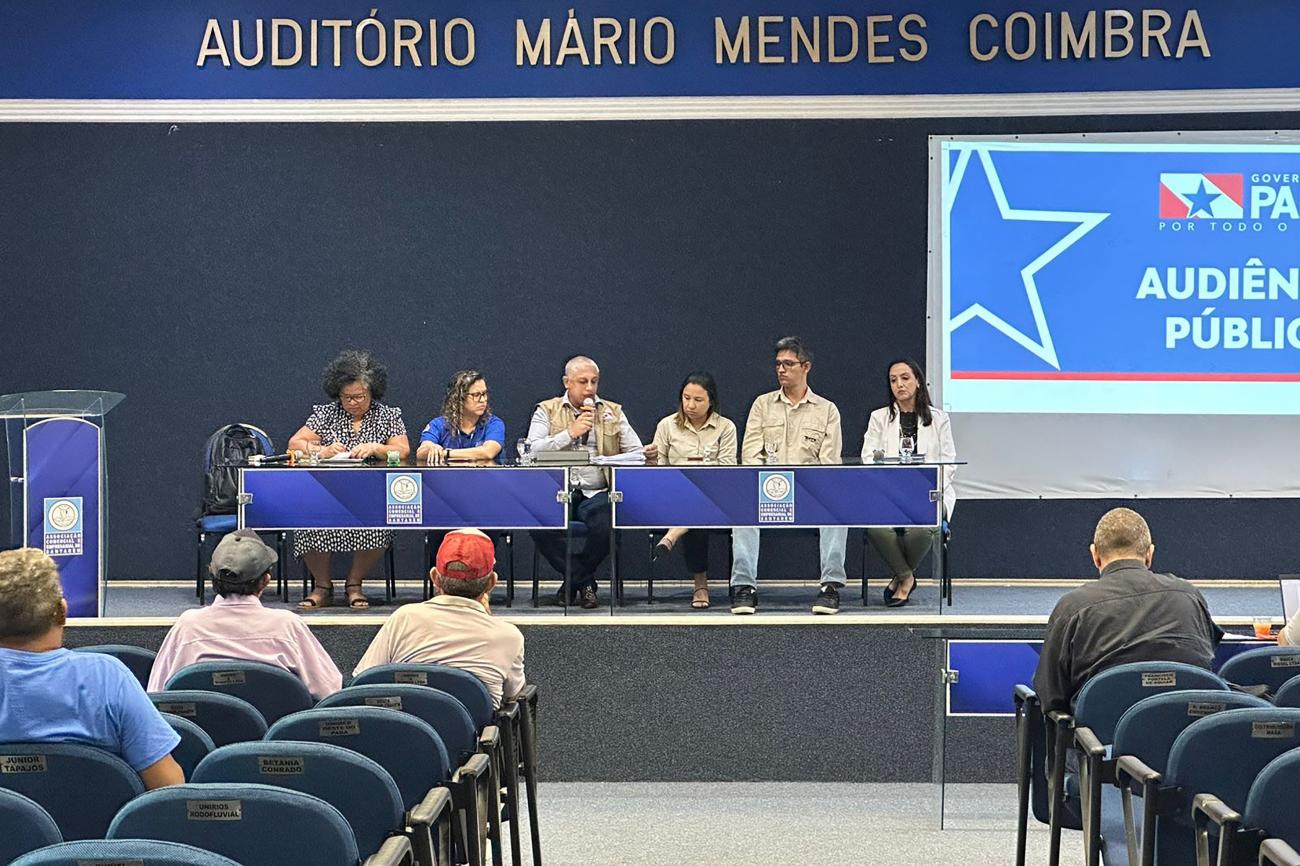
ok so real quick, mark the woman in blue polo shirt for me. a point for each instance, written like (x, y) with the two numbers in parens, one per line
(466, 429)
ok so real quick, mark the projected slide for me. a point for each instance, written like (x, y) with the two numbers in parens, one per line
(1082, 277)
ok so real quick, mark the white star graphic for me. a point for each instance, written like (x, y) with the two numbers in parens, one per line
(1043, 346)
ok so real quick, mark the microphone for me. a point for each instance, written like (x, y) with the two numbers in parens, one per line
(589, 403)
(263, 459)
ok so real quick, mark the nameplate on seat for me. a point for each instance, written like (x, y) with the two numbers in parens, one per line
(340, 728)
(227, 678)
(411, 678)
(214, 810)
(10, 764)
(1160, 679)
(1196, 709)
(110, 863)
(1286, 661)
(389, 702)
(188, 710)
(280, 766)
(1272, 730)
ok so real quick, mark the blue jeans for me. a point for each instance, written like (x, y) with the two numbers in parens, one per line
(744, 567)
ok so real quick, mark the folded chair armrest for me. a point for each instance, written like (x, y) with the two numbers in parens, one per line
(1209, 808)
(396, 851)
(1061, 719)
(1023, 694)
(1130, 770)
(508, 712)
(490, 737)
(528, 695)
(1088, 743)
(427, 811)
(473, 768)
(1278, 853)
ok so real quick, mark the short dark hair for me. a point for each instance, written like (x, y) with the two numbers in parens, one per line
(794, 344)
(355, 365)
(704, 379)
(227, 583)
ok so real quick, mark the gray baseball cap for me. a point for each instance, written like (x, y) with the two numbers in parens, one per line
(242, 554)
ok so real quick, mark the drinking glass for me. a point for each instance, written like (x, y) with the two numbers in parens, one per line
(711, 453)
(525, 449)
(773, 452)
(313, 453)
(906, 448)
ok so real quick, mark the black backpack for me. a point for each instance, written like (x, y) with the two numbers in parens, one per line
(227, 450)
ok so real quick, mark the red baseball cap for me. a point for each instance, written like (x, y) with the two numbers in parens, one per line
(466, 554)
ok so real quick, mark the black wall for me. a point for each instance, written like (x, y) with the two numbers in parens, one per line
(209, 271)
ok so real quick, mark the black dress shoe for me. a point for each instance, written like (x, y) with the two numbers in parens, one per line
(588, 598)
(659, 551)
(895, 601)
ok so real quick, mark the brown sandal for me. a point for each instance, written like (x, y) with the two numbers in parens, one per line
(320, 596)
(356, 598)
(700, 599)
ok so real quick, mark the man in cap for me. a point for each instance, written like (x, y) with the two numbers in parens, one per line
(51, 695)
(237, 626)
(456, 627)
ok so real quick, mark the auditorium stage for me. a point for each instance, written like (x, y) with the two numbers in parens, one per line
(663, 693)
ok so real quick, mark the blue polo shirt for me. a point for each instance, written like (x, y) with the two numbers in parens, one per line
(489, 429)
(86, 698)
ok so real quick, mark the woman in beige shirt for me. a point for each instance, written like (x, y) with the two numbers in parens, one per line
(693, 435)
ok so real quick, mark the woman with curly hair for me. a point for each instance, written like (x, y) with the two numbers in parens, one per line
(355, 423)
(466, 429)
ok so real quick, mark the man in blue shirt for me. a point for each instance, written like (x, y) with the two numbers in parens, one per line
(52, 695)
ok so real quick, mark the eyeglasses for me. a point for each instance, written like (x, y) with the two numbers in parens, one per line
(788, 364)
(354, 398)
(478, 395)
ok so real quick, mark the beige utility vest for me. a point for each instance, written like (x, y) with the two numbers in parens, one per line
(605, 428)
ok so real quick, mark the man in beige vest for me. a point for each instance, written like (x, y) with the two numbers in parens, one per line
(581, 420)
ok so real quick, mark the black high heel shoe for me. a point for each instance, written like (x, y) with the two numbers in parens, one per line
(894, 601)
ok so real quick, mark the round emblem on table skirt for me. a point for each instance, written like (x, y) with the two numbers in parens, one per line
(776, 487)
(404, 488)
(64, 515)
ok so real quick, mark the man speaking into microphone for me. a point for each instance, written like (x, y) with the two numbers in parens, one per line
(582, 419)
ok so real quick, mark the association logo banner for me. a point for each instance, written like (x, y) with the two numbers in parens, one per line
(1120, 276)
(776, 497)
(405, 499)
(64, 535)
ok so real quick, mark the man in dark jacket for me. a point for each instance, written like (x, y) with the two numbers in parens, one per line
(1130, 615)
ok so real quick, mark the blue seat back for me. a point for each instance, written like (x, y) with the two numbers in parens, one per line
(250, 824)
(1147, 729)
(1267, 666)
(460, 684)
(137, 659)
(410, 750)
(1289, 694)
(441, 711)
(224, 718)
(1271, 803)
(195, 743)
(274, 691)
(59, 775)
(1105, 697)
(359, 788)
(24, 826)
(1223, 753)
(143, 852)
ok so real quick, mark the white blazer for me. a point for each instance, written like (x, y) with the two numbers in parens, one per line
(933, 440)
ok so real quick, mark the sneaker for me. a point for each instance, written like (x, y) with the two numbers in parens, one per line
(744, 600)
(588, 598)
(828, 600)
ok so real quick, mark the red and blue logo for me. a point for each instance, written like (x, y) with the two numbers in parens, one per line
(1201, 196)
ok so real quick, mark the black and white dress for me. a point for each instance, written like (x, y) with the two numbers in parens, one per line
(332, 424)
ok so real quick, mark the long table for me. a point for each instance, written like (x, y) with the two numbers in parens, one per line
(642, 497)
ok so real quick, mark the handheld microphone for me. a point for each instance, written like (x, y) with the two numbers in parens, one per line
(589, 403)
(263, 459)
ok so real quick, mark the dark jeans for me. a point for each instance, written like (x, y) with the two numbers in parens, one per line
(593, 510)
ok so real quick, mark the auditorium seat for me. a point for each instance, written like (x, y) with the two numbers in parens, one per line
(1270, 812)
(256, 825)
(1268, 666)
(360, 789)
(58, 777)
(480, 786)
(1221, 755)
(1289, 693)
(24, 826)
(226, 719)
(195, 743)
(123, 852)
(137, 659)
(273, 691)
(407, 747)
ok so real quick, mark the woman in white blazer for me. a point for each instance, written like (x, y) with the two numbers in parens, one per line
(908, 413)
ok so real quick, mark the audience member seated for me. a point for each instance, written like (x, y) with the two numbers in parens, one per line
(456, 628)
(1290, 633)
(236, 626)
(1130, 614)
(50, 694)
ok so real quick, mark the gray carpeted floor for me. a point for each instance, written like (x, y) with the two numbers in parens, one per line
(770, 824)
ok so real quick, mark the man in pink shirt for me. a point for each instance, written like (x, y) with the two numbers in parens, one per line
(236, 626)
